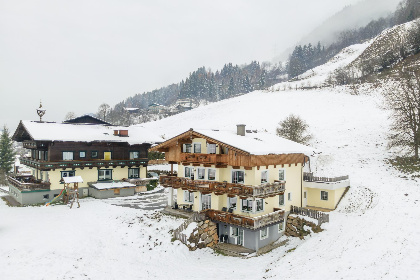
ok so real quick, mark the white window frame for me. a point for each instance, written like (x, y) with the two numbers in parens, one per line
(234, 231)
(280, 227)
(104, 176)
(130, 176)
(208, 174)
(186, 148)
(284, 174)
(249, 203)
(264, 232)
(234, 171)
(280, 196)
(264, 178)
(211, 148)
(259, 201)
(324, 195)
(197, 146)
(230, 202)
(289, 196)
(68, 156)
(201, 169)
(188, 197)
(191, 170)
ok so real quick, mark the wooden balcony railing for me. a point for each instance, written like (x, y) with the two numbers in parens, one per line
(204, 158)
(220, 188)
(27, 183)
(309, 177)
(47, 165)
(243, 221)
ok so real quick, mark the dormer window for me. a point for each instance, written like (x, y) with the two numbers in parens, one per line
(186, 148)
(197, 148)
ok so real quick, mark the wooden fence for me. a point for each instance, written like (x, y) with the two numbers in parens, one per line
(320, 216)
(196, 217)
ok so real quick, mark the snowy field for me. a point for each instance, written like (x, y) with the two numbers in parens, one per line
(374, 233)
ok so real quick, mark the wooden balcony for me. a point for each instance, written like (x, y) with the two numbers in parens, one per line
(46, 165)
(220, 188)
(204, 158)
(27, 183)
(243, 221)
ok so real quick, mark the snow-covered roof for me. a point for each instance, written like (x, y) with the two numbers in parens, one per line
(50, 131)
(258, 143)
(73, 179)
(255, 143)
(112, 185)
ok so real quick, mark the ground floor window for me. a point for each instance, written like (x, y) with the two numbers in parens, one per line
(104, 174)
(133, 173)
(280, 227)
(70, 173)
(188, 196)
(324, 195)
(264, 233)
(46, 196)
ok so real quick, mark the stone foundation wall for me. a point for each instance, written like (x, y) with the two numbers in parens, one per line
(295, 227)
(205, 235)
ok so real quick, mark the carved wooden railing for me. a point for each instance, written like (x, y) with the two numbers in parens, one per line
(204, 158)
(243, 221)
(219, 188)
(46, 165)
(309, 177)
(318, 215)
(27, 183)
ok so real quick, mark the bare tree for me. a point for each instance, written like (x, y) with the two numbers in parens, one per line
(404, 101)
(69, 116)
(295, 129)
(103, 111)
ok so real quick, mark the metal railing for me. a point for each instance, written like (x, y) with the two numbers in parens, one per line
(318, 215)
(26, 182)
(309, 177)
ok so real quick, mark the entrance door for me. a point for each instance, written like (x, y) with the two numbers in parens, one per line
(107, 155)
(205, 201)
(305, 199)
(240, 240)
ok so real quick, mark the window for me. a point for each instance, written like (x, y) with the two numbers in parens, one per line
(280, 226)
(43, 155)
(264, 233)
(188, 196)
(205, 201)
(67, 174)
(289, 196)
(56, 195)
(133, 173)
(211, 174)
(189, 172)
(134, 155)
(46, 196)
(247, 205)
(197, 148)
(281, 175)
(324, 195)
(238, 177)
(67, 155)
(264, 176)
(234, 231)
(260, 204)
(281, 199)
(211, 148)
(82, 154)
(201, 173)
(232, 202)
(116, 191)
(186, 148)
(104, 174)
(94, 154)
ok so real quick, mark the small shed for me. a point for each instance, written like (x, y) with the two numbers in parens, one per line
(111, 189)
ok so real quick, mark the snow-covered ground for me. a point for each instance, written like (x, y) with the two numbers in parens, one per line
(374, 233)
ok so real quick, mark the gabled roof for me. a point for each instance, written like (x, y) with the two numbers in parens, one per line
(50, 131)
(259, 143)
(87, 119)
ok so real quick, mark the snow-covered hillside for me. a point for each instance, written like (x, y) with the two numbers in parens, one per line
(374, 233)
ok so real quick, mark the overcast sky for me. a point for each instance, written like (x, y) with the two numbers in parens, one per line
(76, 54)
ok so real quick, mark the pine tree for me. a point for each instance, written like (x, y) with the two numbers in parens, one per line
(7, 153)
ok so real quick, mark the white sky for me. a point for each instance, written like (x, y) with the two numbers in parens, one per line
(76, 54)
